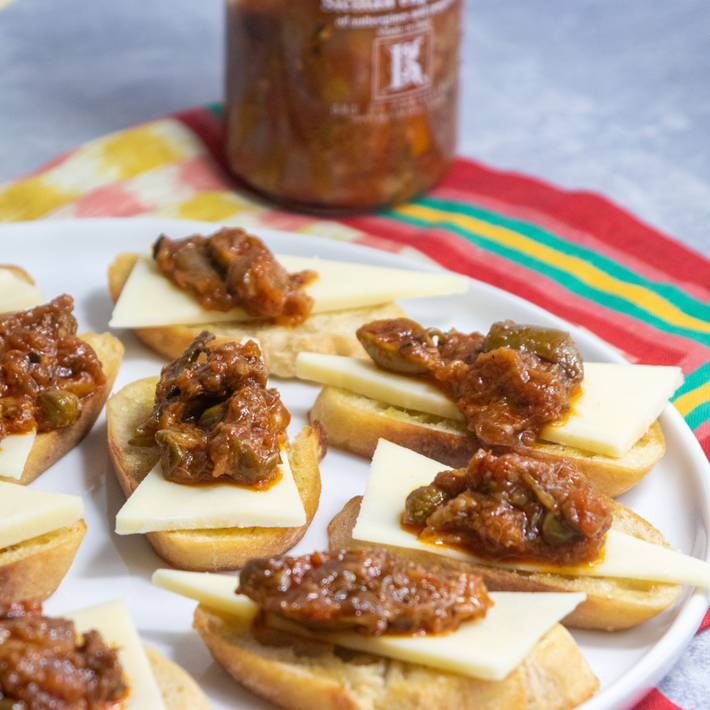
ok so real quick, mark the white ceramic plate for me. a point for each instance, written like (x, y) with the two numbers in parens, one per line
(73, 256)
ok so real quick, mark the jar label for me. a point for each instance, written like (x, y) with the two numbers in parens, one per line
(404, 45)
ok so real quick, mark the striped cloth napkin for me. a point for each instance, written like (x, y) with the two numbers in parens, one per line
(572, 253)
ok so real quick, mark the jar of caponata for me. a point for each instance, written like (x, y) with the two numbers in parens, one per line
(341, 105)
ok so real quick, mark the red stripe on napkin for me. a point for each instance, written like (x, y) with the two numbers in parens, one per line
(705, 622)
(584, 211)
(655, 700)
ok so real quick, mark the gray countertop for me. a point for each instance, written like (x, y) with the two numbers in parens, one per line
(611, 96)
(605, 95)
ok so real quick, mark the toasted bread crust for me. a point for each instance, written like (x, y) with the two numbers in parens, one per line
(33, 569)
(19, 272)
(305, 675)
(179, 690)
(207, 550)
(330, 333)
(611, 605)
(606, 474)
(51, 446)
(356, 423)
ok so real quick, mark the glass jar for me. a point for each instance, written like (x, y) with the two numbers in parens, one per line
(341, 105)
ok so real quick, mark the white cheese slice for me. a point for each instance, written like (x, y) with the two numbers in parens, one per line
(148, 299)
(396, 472)
(14, 450)
(26, 513)
(16, 294)
(160, 505)
(216, 591)
(489, 648)
(617, 404)
(116, 626)
(365, 378)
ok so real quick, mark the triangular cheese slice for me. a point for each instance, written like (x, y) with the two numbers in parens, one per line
(26, 513)
(14, 450)
(488, 648)
(160, 505)
(365, 378)
(114, 622)
(150, 300)
(396, 472)
(617, 406)
(16, 294)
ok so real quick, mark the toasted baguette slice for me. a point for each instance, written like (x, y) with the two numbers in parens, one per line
(611, 605)
(329, 333)
(356, 423)
(51, 446)
(179, 690)
(207, 550)
(302, 675)
(33, 569)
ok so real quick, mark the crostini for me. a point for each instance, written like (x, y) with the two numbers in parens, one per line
(40, 533)
(605, 419)
(636, 577)
(344, 296)
(211, 525)
(90, 658)
(490, 663)
(54, 385)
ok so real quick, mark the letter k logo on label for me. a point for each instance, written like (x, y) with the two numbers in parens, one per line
(403, 64)
(406, 70)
